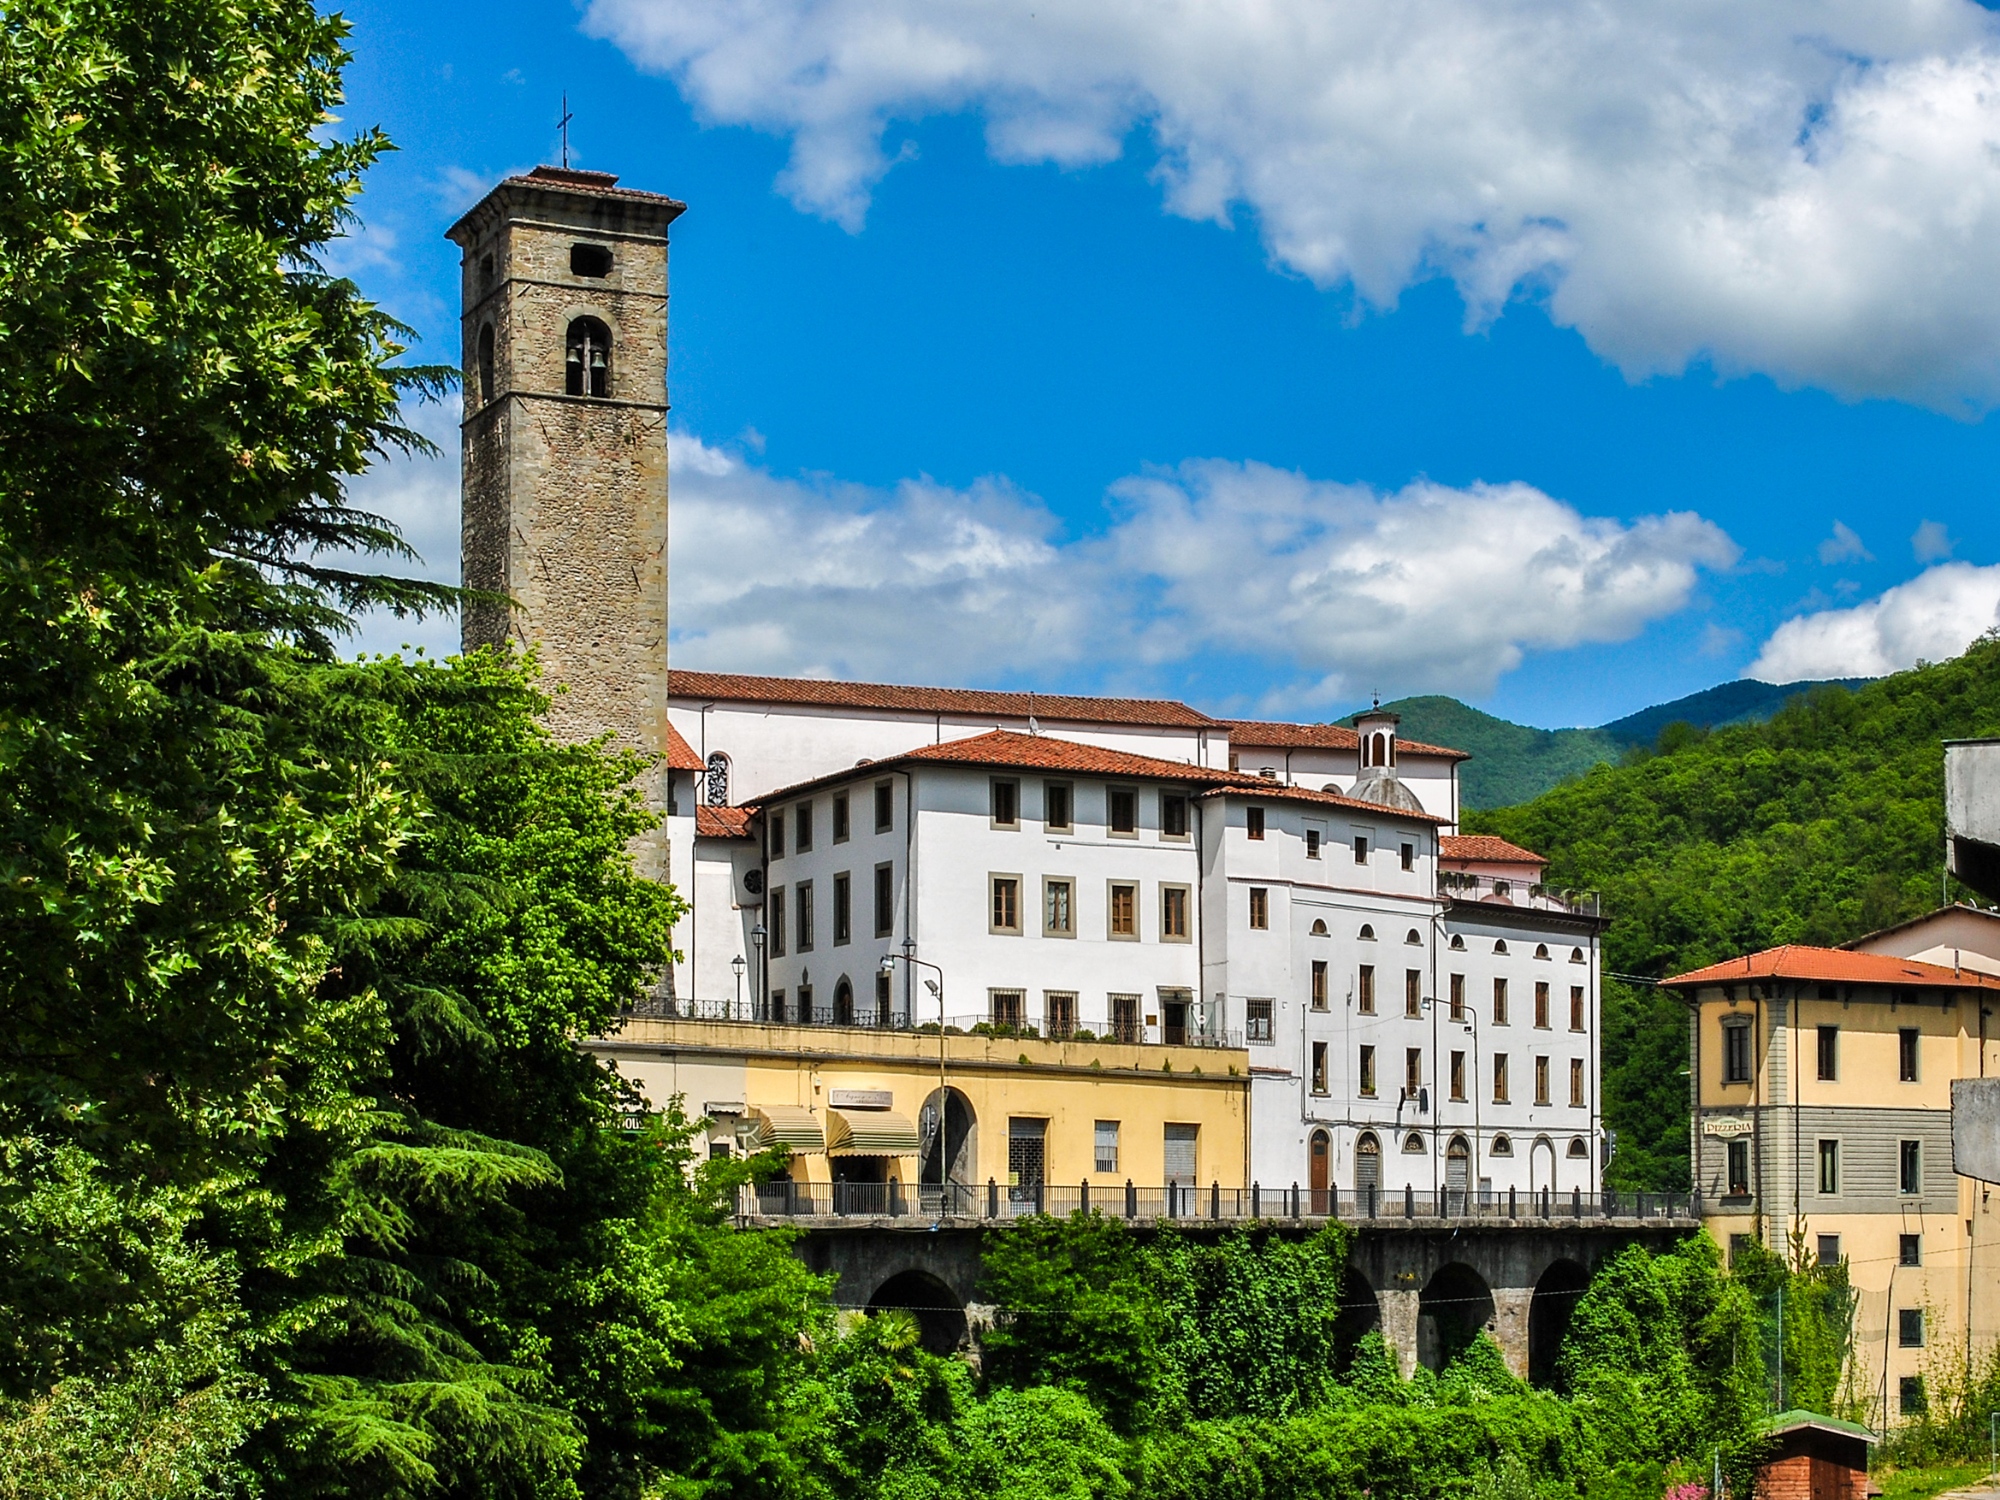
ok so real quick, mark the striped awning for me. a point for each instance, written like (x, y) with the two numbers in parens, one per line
(788, 1125)
(869, 1132)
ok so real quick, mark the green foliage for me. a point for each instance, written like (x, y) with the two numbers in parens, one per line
(1807, 1315)
(1820, 825)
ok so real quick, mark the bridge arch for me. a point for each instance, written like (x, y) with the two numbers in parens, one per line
(1549, 1312)
(1360, 1315)
(1455, 1305)
(940, 1315)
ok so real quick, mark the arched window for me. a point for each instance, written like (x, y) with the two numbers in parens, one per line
(843, 1003)
(1414, 938)
(1413, 1144)
(1541, 950)
(1576, 955)
(718, 780)
(485, 363)
(1367, 1163)
(587, 358)
(1381, 749)
(1577, 1149)
(1499, 945)
(1367, 933)
(1503, 890)
(1458, 942)
(1502, 1146)
(1319, 927)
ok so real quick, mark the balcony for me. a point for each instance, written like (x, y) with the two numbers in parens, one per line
(866, 1017)
(1486, 890)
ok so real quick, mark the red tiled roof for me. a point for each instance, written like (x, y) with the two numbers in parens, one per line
(1271, 734)
(1162, 713)
(576, 180)
(1257, 786)
(1481, 848)
(1833, 965)
(680, 754)
(1004, 749)
(722, 822)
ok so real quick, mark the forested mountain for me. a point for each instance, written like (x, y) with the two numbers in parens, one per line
(1819, 825)
(1513, 762)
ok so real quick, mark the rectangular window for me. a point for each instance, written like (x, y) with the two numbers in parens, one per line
(1006, 1006)
(1055, 806)
(843, 909)
(1312, 843)
(1058, 1013)
(1319, 1068)
(1123, 910)
(882, 1000)
(1257, 1020)
(776, 908)
(1909, 1249)
(1828, 1253)
(1910, 1396)
(1739, 1169)
(1124, 804)
(1367, 1070)
(1027, 1159)
(1105, 1157)
(1319, 984)
(1182, 1142)
(1173, 815)
(885, 806)
(1542, 1004)
(1576, 1007)
(1576, 1082)
(840, 818)
(1829, 1166)
(1365, 988)
(1542, 1080)
(1058, 907)
(1910, 1327)
(1413, 1071)
(885, 900)
(774, 835)
(1174, 903)
(1260, 906)
(1499, 1078)
(1125, 1019)
(1413, 992)
(1736, 1054)
(1458, 997)
(1829, 1054)
(802, 925)
(1361, 848)
(1005, 801)
(1005, 907)
(1458, 1077)
(1906, 1053)
(1253, 821)
(1409, 856)
(802, 827)
(1909, 1167)
(1499, 1002)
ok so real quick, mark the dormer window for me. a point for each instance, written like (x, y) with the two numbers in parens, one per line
(587, 359)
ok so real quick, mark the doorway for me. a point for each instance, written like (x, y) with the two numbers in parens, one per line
(1027, 1164)
(1457, 1174)
(1317, 1164)
(1174, 1015)
(1368, 1170)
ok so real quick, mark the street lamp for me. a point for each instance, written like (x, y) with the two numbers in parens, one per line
(936, 987)
(738, 966)
(758, 985)
(1468, 1016)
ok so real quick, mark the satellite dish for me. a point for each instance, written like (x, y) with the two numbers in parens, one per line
(1034, 727)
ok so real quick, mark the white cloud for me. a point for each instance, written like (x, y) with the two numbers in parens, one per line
(1932, 617)
(1810, 190)
(1931, 542)
(419, 494)
(1843, 546)
(1427, 588)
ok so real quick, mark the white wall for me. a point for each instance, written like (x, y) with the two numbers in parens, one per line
(1433, 778)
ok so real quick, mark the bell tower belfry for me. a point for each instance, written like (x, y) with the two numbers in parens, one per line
(563, 500)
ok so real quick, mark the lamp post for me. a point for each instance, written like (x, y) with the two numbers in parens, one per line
(909, 956)
(1468, 1017)
(738, 966)
(759, 988)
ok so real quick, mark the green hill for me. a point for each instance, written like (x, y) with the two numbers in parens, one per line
(1819, 825)
(1514, 762)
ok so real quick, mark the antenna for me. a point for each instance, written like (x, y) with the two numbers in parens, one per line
(563, 126)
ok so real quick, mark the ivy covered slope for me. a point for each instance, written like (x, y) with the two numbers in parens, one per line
(1825, 823)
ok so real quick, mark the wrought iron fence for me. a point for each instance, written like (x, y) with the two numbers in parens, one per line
(868, 1017)
(784, 1198)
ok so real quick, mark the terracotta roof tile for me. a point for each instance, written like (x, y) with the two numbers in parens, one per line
(1257, 786)
(722, 822)
(1004, 749)
(1833, 965)
(1271, 734)
(1485, 848)
(680, 754)
(1162, 713)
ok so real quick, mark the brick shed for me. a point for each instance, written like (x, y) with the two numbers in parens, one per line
(1815, 1458)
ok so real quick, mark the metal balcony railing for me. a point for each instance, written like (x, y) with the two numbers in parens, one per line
(993, 1200)
(869, 1018)
(1461, 885)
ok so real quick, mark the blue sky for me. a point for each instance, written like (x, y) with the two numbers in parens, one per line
(1102, 362)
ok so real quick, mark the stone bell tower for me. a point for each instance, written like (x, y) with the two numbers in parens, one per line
(564, 443)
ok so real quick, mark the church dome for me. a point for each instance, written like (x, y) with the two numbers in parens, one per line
(1379, 785)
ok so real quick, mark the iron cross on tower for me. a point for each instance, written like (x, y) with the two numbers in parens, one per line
(563, 126)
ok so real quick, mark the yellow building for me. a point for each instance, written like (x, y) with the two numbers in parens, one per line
(1822, 1106)
(860, 1108)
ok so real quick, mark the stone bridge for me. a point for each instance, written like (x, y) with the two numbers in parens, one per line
(1428, 1283)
